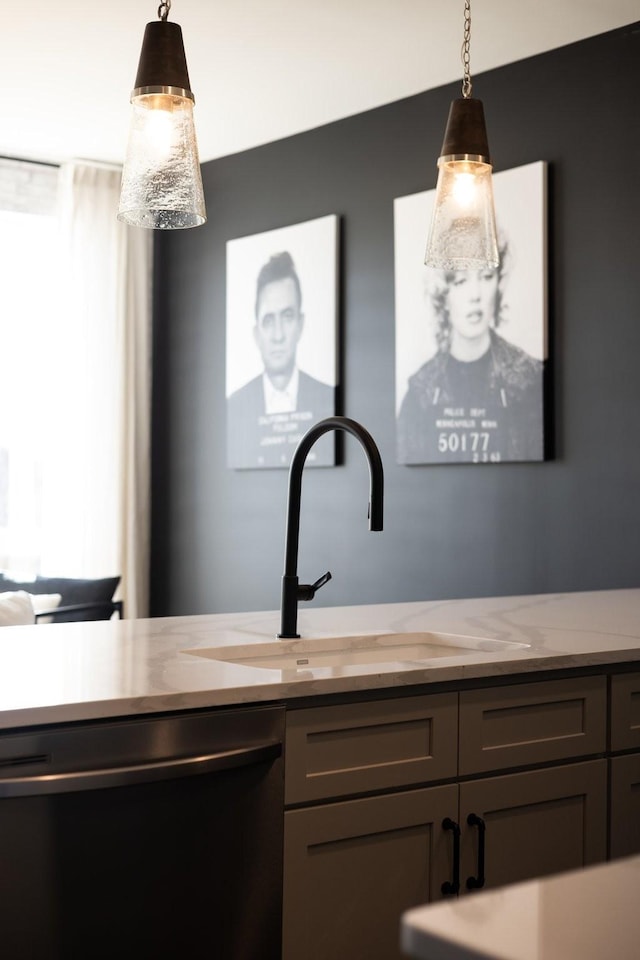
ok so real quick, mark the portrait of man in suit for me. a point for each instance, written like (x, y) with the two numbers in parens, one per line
(268, 415)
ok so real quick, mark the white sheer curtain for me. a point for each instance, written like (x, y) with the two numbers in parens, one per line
(96, 500)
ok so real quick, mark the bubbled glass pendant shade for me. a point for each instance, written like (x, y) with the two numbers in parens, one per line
(161, 179)
(463, 229)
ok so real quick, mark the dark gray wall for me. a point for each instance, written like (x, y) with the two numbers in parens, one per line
(570, 523)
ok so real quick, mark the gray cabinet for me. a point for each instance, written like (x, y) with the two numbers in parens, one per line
(535, 823)
(370, 825)
(353, 867)
(625, 806)
(538, 821)
(625, 766)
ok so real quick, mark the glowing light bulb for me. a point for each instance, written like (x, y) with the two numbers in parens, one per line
(159, 128)
(464, 189)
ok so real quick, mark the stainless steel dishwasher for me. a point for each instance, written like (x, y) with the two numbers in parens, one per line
(146, 838)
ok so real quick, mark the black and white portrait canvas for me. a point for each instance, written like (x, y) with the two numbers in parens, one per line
(471, 345)
(281, 355)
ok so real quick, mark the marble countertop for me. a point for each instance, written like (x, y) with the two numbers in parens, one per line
(583, 915)
(68, 672)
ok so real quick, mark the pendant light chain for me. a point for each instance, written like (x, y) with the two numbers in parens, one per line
(163, 10)
(466, 57)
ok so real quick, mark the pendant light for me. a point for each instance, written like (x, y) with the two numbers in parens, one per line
(463, 226)
(161, 178)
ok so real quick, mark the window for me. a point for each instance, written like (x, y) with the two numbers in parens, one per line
(75, 349)
(28, 303)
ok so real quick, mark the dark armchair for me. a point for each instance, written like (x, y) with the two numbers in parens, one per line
(80, 599)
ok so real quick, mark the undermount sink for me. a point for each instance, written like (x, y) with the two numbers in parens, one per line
(305, 654)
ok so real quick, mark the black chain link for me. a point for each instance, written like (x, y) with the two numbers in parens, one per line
(466, 57)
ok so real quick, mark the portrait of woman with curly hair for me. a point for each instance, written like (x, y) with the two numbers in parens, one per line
(478, 398)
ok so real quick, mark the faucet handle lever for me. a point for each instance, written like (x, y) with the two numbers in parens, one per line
(307, 591)
(320, 582)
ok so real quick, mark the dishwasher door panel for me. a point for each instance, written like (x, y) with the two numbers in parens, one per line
(174, 867)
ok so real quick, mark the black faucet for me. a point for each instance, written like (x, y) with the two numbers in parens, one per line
(292, 591)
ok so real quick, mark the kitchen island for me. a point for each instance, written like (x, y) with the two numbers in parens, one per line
(503, 749)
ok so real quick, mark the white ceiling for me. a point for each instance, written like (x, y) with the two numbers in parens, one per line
(260, 69)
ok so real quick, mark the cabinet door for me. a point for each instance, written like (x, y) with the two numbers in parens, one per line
(625, 806)
(536, 823)
(352, 868)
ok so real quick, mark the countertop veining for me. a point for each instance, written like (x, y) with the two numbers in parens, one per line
(78, 671)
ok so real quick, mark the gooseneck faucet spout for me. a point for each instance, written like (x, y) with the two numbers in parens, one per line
(292, 591)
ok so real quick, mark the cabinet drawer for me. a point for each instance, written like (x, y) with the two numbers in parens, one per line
(625, 711)
(359, 747)
(531, 723)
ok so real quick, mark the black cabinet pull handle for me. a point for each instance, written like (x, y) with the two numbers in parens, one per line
(475, 883)
(451, 887)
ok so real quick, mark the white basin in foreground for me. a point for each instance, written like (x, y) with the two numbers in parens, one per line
(305, 654)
